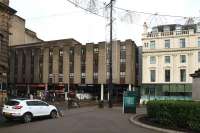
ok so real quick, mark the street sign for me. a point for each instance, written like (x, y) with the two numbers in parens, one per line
(129, 102)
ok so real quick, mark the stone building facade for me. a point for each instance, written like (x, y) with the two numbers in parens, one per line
(170, 54)
(19, 34)
(5, 15)
(67, 64)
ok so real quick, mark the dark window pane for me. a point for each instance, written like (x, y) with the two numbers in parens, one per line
(12, 103)
(167, 75)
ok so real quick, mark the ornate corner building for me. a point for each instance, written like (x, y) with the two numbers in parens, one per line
(170, 54)
(5, 15)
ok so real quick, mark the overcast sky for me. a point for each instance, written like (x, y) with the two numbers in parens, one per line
(59, 19)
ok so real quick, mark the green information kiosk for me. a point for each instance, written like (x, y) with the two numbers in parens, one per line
(129, 102)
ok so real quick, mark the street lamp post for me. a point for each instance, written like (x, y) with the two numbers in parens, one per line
(110, 85)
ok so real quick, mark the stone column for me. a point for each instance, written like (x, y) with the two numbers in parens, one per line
(66, 64)
(129, 87)
(102, 63)
(19, 66)
(116, 62)
(55, 64)
(77, 64)
(130, 62)
(36, 66)
(28, 65)
(159, 70)
(102, 92)
(145, 69)
(12, 66)
(45, 65)
(89, 63)
(191, 66)
(175, 70)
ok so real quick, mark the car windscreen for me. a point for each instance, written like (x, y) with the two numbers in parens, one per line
(12, 103)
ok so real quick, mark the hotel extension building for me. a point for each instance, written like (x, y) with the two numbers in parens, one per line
(67, 64)
(170, 54)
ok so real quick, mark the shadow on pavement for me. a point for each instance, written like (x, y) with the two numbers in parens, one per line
(4, 123)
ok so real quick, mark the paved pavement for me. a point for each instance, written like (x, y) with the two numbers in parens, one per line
(80, 120)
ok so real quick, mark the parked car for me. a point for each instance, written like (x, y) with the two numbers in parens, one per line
(26, 109)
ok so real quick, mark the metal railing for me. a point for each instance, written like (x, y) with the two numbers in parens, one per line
(166, 34)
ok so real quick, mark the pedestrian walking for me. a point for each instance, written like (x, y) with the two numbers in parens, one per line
(31, 96)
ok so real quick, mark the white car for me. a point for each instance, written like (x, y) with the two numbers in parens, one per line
(27, 109)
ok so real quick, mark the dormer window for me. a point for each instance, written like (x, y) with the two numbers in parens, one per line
(166, 29)
(154, 29)
(178, 28)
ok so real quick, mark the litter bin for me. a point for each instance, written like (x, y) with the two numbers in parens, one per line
(129, 102)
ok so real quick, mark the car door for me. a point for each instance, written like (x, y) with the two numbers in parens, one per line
(33, 107)
(44, 108)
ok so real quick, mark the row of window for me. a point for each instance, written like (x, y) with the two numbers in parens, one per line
(167, 59)
(83, 76)
(168, 75)
(182, 43)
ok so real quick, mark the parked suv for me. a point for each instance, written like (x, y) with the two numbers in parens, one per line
(27, 109)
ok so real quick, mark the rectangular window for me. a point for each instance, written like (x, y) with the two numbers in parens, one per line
(122, 74)
(60, 61)
(167, 75)
(167, 43)
(183, 58)
(167, 59)
(198, 41)
(152, 60)
(71, 60)
(60, 79)
(41, 65)
(96, 50)
(182, 43)
(152, 75)
(146, 45)
(183, 75)
(198, 56)
(50, 61)
(152, 45)
(123, 48)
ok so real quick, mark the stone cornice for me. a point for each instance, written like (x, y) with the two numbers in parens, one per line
(52, 43)
(7, 8)
(170, 50)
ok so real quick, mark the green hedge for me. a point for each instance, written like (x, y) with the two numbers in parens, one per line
(183, 114)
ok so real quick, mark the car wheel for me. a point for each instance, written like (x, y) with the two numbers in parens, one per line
(53, 114)
(27, 117)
